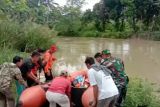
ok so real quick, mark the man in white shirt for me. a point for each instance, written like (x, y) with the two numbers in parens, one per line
(104, 88)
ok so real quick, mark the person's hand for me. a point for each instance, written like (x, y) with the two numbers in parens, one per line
(38, 82)
(48, 73)
(92, 103)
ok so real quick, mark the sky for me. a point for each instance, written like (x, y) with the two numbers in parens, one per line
(89, 3)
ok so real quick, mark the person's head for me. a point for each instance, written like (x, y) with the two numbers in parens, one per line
(98, 57)
(53, 49)
(64, 73)
(89, 62)
(106, 54)
(18, 61)
(41, 51)
(35, 56)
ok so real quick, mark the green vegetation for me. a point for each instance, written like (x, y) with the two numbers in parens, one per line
(16, 39)
(26, 25)
(109, 18)
(6, 55)
(24, 37)
(140, 94)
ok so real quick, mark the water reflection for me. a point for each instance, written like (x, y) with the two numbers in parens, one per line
(141, 57)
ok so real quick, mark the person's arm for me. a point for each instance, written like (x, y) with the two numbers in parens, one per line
(29, 67)
(95, 93)
(93, 83)
(33, 77)
(20, 79)
(18, 76)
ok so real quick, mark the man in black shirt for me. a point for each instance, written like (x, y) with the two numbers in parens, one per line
(28, 66)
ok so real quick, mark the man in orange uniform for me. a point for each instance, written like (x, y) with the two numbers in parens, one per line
(48, 60)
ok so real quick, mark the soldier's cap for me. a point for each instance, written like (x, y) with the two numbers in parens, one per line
(106, 52)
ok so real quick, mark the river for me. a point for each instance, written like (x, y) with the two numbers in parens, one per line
(141, 57)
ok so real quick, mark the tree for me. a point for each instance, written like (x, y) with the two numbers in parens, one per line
(69, 22)
(101, 16)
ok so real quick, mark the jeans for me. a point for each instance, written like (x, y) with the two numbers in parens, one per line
(108, 102)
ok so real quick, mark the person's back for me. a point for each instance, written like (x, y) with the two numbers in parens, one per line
(104, 81)
(59, 91)
(104, 88)
(117, 67)
(60, 85)
(8, 71)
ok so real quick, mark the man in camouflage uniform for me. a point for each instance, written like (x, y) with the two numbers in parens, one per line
(119, 76)
(8, 72)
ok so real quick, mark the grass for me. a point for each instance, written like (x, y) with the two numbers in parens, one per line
(140, 94)
(6, 55)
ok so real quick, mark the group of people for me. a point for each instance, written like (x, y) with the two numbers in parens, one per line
(106, 75)
(108, 79)
(25, 72)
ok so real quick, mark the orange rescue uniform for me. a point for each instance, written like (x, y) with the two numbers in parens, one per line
(49, 59)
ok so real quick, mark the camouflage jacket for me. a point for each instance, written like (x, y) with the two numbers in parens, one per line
(8, 72)
(118, 73)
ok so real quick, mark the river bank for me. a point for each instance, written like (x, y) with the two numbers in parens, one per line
(146, 35)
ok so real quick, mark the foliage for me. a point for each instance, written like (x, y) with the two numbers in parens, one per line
(116, 16)
(6, 54)
(69, 22)
(24, 37)
(140, 94)
(108, 17)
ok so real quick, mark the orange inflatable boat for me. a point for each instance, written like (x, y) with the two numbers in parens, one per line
(33, 97)
(87, 97)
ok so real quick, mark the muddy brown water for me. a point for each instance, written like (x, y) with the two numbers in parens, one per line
(141, 57)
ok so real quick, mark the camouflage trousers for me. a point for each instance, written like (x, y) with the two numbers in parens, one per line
(7, 98)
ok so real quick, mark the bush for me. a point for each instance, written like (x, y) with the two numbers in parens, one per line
(6, 55)
(25, 37)
(68, 33)
(9, 33)
(35, 36)
(116, 35)
(140, 94)
(90, 34)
